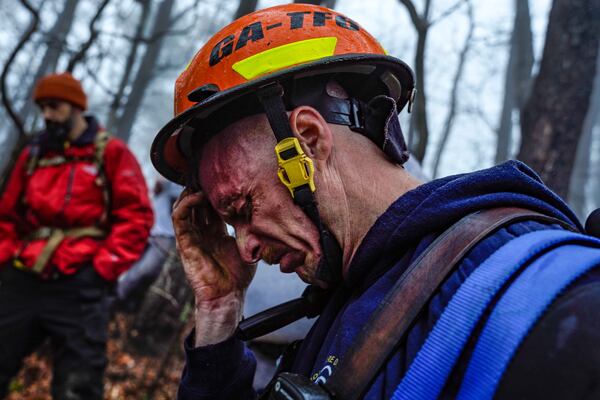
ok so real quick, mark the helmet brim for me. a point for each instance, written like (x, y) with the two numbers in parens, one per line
(170, 149)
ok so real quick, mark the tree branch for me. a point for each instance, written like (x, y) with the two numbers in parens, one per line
(92, 74)
(77, 57)
(419, 117)
(128, 68)
(414, 15)
(5, 100)
(181, 13)
(454, 92)
(152, 38)
(449, 11)
(425, 16)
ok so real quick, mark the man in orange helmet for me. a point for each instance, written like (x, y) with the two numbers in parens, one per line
(75, 214)
(389, 259)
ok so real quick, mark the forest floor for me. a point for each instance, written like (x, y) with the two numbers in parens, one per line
(128, 375)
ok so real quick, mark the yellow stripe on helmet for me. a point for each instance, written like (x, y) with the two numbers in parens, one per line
(284, 56)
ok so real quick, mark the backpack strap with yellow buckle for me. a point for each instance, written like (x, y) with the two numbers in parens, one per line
(296, 172)
(100, 142)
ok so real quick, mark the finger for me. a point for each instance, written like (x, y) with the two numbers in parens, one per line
(210, 218)
(182, 209)
(184, 193)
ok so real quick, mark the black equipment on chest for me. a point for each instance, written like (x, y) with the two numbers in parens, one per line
(592, 224)
(309, 305)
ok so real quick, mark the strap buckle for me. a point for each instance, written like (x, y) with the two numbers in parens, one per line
(356, 121)
(295, 167)
(411, 99)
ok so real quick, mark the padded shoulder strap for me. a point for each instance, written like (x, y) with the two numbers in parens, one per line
(436, 359)
(396, 312)
(100, 143)
(519, 309)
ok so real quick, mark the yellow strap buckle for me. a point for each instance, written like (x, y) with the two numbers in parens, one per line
(295, 167)
(18, 264)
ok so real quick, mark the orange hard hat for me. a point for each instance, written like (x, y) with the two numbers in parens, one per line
(279, 44)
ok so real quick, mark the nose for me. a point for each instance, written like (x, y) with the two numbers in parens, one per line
(47, 113)
(248, 245)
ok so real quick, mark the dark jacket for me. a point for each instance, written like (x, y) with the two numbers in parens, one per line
(408, 226)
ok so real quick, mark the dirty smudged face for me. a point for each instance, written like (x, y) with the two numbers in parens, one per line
(238, 171)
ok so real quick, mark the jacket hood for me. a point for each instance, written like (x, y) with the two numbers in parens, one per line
(436, 205)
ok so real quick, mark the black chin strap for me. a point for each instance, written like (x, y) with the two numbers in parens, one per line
(329, 269)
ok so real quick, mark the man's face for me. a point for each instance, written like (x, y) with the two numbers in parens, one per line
(58, 116)
(55, 110)
(238, 171)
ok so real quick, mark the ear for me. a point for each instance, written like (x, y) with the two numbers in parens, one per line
(312, 131)
(75, 111)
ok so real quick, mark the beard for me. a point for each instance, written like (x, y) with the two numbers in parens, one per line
(58, 132)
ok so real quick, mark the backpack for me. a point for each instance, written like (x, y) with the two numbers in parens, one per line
(547, 255)
(53, 235)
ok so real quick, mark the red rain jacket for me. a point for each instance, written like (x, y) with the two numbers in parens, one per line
(68, 196)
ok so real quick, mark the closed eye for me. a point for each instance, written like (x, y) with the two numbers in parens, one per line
(239, 211)
(246, 209)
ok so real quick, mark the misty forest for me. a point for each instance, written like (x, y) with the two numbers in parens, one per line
(496, 80)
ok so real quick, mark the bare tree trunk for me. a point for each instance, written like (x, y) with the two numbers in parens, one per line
(245, 7)
(462, 58)
(504, 131)
(581, 171)
(56, 42)
(553, 116)
(131, 57)
(525, 59)
(517, 81)
(164, 310)
(80, 55)
(18, 139)
(421, 128)
(145, 72)
(419, 119)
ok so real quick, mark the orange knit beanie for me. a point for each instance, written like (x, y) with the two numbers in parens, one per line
(62, 87)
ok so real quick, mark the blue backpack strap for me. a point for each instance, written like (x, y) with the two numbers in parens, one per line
(517, 312)
(437, 357)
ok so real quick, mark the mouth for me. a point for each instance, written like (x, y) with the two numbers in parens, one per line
(290, 262)
(272, 256)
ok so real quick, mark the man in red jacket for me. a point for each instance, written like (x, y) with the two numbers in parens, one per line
(75, 214)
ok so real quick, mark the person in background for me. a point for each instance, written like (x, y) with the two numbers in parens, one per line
(132, 285)
(75, 214)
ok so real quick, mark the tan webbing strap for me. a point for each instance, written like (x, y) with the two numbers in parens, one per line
(53, 242)
(31, 164)
(51, 161)
(397, 311)
(100, 142)
(55, 237)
